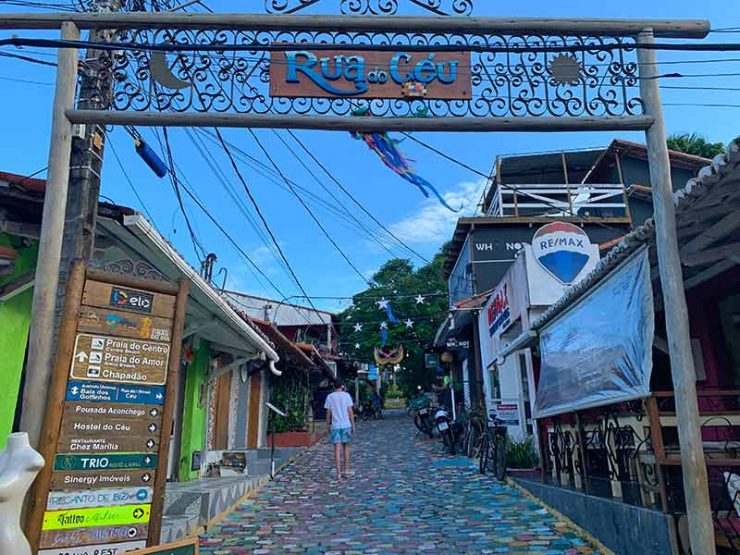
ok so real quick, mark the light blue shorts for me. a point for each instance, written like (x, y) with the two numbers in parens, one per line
(341, 435)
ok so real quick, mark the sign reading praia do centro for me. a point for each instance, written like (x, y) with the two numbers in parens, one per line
(104, 470)
(365, 74)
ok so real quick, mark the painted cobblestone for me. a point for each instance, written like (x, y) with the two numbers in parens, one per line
(405, 498)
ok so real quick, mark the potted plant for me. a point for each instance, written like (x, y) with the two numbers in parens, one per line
(521, 458)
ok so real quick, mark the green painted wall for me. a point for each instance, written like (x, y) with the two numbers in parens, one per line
(194, 415)
(15, 318)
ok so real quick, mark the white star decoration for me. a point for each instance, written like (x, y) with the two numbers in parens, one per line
(358, 327)
(382, 303)
(419, 299)
(384, 325)
(357, 345)
(409, 323)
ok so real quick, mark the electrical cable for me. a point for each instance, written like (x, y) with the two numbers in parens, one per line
(310, 212)
(176, 187)
(261, 215)
(128, 180)
(286, 47)
(353, 198)
(374, 236)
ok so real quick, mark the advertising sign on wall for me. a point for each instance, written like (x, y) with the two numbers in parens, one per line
(508, 413)
(498, 310)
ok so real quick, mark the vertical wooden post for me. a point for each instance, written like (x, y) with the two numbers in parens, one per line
(160, 480)
(45, 291)
(567, 182)
(581, 435)
(696, 491)
(52, 411)
(620, 175)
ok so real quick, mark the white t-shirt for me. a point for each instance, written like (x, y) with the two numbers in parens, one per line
(339, 403)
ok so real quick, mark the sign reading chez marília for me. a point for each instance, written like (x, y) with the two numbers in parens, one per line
(370, 74)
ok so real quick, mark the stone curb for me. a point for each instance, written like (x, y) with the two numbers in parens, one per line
(604, 550)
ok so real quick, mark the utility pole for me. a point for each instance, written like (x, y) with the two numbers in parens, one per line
(70, 236)
(696, 489)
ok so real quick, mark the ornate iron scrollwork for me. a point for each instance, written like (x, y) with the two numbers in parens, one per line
(374, 7)
(508, 84)
(136, 268)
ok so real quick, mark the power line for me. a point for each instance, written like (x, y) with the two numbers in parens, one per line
(374, 236)
(306, 207)
(286, 47)
(353, 198)
(128, 180)
(261, 215)
(176, 187)
(447, 156)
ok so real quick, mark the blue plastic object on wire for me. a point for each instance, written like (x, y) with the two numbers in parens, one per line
(147, 154)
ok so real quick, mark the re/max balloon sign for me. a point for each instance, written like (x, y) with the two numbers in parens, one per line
(370, 74)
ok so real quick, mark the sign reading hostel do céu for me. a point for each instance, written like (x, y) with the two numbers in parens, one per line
(364, 74)
(103, 474)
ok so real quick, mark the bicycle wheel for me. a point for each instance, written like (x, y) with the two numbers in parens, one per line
(470, 442)
(448, 442)
(483, 456)
(499, 459)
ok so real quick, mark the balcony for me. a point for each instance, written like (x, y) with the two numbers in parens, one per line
(594, 200)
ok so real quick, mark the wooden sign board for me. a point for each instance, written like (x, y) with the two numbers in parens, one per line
(124, 324)
(121, 360)
(97, 535)
(184, 547)
(110, 402)
(363, 74)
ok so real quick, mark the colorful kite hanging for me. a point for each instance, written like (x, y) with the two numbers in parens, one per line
(388, 151)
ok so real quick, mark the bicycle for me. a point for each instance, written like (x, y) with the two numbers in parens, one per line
(474, 431)
(494, 449)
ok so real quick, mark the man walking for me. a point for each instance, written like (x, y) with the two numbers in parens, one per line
(340, 419)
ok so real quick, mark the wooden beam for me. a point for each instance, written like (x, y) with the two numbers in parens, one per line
(360, 124)
(674, 28)
(714, 233)
(712, 255)
(21, 229)
(709, 273)
(17, 286)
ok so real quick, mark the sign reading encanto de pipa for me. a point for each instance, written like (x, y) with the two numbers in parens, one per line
(104, 470)
(370, 74)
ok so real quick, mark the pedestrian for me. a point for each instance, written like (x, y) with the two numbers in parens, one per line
(340, 419)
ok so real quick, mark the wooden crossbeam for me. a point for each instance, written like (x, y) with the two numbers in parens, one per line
(731, 251)
(714, 233)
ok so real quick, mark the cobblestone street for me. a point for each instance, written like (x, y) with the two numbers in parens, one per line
(406, 497)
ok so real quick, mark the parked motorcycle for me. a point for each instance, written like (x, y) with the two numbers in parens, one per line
(422, 411)
(372, 411)
(450, 431)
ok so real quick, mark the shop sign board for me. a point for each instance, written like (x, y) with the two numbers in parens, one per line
(508, 413)
(562, 249)
(122, 461)
(96, 516)
(109, 497)
(498, 310)
(363, 74)
(116, 359)
(75, 479)
(97, 535)
(102, 549)
(105, 295)
(124, 324)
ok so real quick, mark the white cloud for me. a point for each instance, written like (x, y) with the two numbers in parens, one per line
(433, 223)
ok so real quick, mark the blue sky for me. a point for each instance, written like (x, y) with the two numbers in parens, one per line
(26, 97)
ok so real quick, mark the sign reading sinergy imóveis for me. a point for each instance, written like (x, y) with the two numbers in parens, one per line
(370, 74)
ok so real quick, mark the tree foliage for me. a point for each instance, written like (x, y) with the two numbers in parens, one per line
(399, 282)
(694, 143)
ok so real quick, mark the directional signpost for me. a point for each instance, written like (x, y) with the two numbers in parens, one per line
(106, 462)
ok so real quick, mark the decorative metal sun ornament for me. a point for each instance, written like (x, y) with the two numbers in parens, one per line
(565, 70)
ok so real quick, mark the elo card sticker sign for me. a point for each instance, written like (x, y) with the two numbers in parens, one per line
(562, 249)
(103, 549)
(131, 300)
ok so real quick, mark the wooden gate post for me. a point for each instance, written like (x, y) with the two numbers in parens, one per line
(696, 489)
